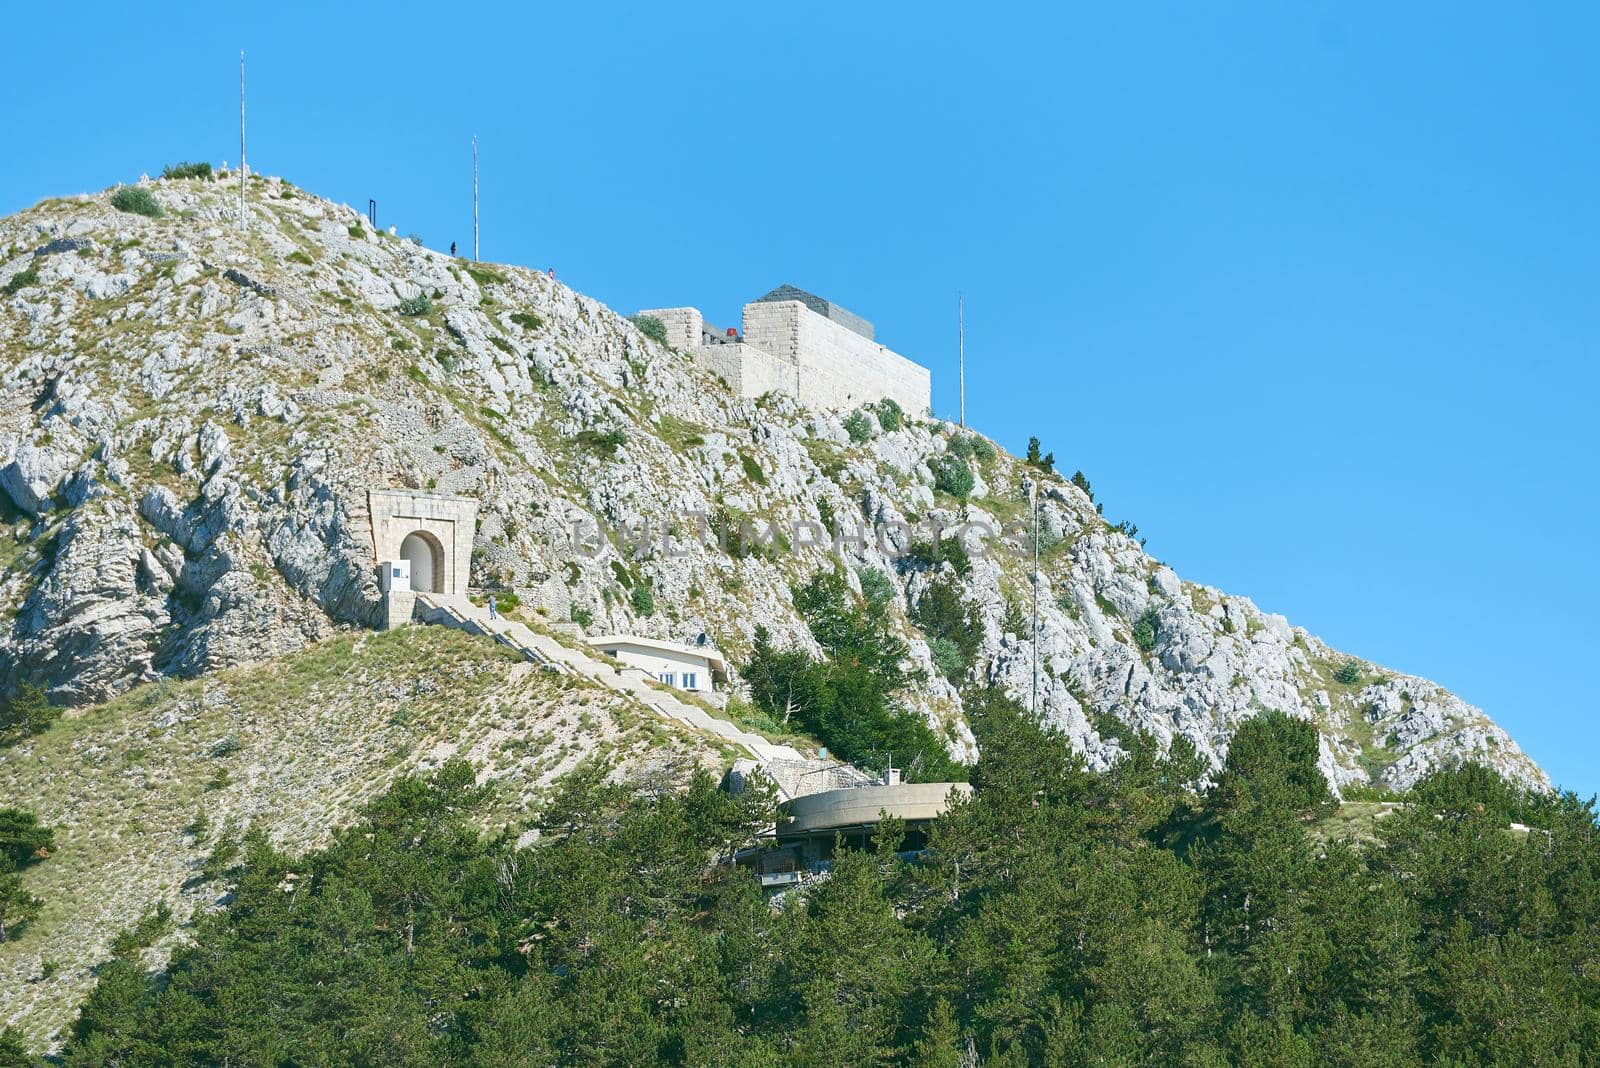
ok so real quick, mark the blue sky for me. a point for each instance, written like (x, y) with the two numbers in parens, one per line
(1309, 291)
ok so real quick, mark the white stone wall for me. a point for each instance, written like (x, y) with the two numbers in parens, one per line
(748, 371)
(683, 325)
(774, 326)
(789, 347)
(398, 605)
(838, 368)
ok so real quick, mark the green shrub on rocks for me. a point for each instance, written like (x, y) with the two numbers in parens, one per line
(858, 426)
(970, 447)
(932, 555)
(644, 602)
(20, 281)
(132, 198)
(417, 305)
(952, 475)
(650, 327)
(947, 658)
(1349, 673)
(1145, 630)
(187, 170)
(605, 443)
(890, 415)
(876, 588)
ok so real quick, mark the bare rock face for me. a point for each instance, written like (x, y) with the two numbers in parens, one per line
(87, 624)
(32, 477)
(189, 426)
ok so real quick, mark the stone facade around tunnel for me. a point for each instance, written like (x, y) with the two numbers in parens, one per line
(433, 533)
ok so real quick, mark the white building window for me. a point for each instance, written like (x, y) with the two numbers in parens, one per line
(688, 680)
(668, 677)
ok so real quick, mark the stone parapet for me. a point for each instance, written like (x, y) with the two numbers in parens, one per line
(684, 325)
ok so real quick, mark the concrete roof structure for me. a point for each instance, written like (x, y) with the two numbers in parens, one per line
(863, 806)
(823, 307)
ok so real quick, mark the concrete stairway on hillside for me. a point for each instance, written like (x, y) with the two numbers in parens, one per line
(462, 614)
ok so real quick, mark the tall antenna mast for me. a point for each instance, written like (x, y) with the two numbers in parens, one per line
(961, 354)
(243, 168)
(1033, 499)
(474, 198)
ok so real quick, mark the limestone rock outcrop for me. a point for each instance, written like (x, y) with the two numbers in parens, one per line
(191, 416)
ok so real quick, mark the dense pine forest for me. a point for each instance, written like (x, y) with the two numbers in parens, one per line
(1060, 917)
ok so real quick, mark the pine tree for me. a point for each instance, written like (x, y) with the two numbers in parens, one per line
(17, 907)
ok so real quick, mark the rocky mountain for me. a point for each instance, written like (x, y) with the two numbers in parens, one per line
(192, 413)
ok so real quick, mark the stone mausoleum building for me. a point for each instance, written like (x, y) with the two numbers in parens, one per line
(804, 345)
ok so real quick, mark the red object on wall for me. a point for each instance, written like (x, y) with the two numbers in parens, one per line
(733, 331)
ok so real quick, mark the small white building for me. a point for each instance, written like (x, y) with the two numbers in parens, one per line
(695, 668)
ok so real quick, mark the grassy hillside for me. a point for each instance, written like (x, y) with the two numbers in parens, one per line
(142, 789)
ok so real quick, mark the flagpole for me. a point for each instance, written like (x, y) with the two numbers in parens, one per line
(961, 357)
(244, 169)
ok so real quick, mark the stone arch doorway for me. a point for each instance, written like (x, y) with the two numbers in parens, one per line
(426, 557)
(432, 532)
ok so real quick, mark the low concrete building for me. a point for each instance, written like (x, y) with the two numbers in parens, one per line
(806, 346)
(812, 825)
(695, 668)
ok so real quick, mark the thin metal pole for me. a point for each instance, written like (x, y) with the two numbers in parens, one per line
(244, 223)
(961, 359)
(1034, 499)
(475, 197)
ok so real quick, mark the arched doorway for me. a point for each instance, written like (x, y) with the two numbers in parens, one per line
(426, 556)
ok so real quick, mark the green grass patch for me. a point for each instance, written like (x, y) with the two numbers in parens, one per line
(602, 443)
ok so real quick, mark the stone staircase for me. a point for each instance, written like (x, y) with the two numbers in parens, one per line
(462, 614)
